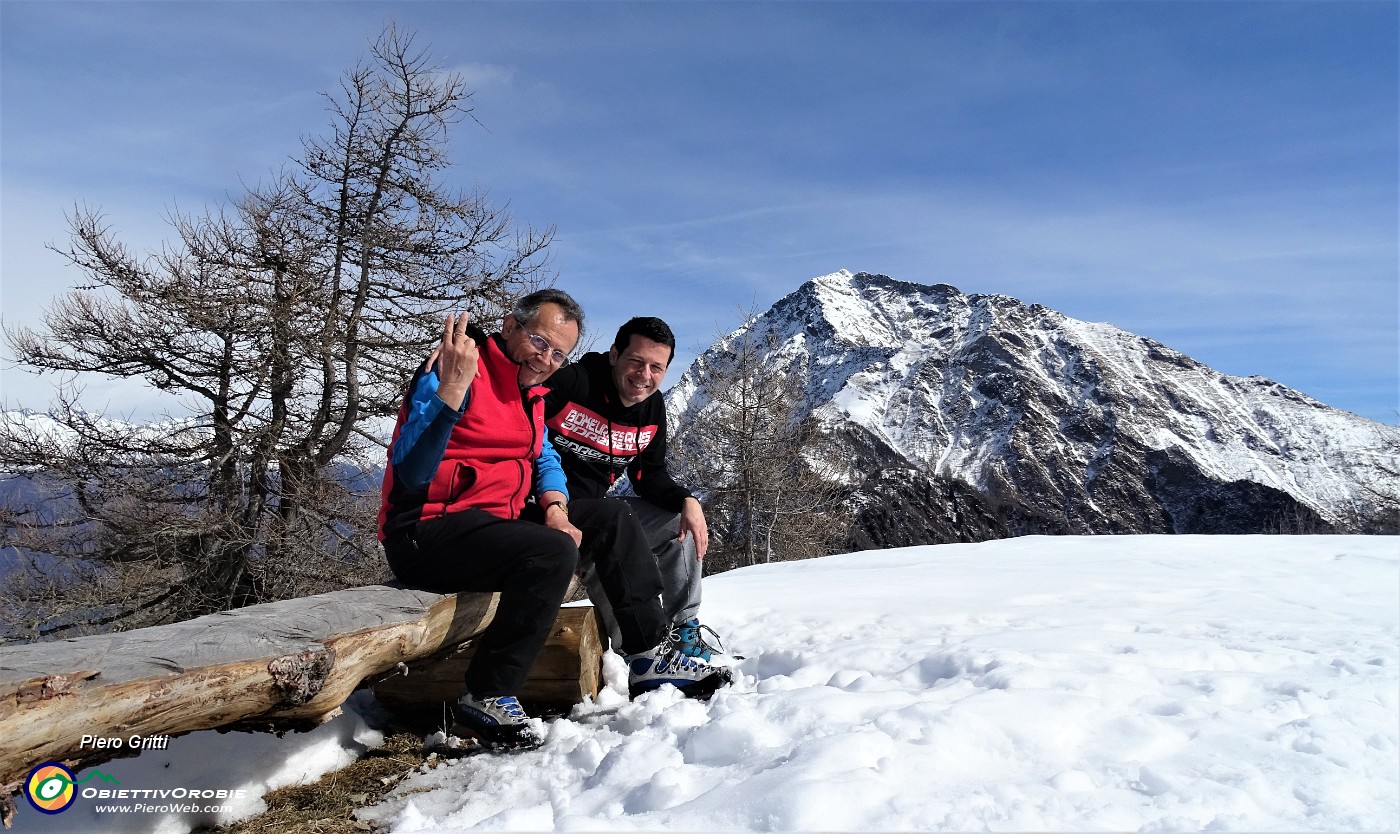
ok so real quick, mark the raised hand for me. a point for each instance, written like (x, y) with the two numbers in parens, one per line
(456, 360)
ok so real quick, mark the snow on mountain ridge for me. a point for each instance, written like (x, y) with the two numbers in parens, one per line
(1277, 446)
(1012, 399)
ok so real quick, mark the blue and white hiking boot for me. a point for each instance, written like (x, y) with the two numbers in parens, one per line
(498, 723)
(666, 664)
(689, 639)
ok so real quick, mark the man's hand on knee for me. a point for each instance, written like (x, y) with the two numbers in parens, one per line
(693, 523)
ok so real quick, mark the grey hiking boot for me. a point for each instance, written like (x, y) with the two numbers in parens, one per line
(498, 723)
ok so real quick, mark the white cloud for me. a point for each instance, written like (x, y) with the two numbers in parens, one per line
(479, 76)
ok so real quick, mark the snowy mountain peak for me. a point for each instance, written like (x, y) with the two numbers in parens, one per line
(1059, 424)
(873, 310)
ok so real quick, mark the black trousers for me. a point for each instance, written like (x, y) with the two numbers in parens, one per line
(528, 563)
(615, 541)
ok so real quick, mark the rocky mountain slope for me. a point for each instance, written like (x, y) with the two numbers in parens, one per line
(966, 417)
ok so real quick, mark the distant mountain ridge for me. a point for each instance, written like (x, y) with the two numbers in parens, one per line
(970, 417)
(977, 416)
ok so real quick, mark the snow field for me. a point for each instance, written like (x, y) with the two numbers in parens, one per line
(1134, 683)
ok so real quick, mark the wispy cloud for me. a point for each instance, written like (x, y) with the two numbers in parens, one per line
(1221, 177)
(478, 76)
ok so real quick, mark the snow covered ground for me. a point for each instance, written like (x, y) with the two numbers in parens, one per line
(1039, 684)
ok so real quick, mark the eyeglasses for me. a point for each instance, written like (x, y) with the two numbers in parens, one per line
(541, 346)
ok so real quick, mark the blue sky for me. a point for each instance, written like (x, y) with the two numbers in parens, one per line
(1221, 177)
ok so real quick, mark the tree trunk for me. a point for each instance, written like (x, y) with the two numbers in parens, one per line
(568, 669)
(280, 665)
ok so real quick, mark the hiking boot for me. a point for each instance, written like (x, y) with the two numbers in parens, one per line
(689, 639)
(498, 723)
(666, 664)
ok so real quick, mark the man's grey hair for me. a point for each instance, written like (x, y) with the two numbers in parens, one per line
(527, 308)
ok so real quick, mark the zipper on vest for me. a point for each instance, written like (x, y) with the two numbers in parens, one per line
(528, 400)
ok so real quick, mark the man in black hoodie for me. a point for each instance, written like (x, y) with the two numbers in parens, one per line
(606, 417)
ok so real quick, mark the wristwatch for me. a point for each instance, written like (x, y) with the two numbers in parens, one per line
(560, 504)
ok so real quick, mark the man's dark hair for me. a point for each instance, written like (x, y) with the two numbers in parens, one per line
(527, 308)
(648, 327)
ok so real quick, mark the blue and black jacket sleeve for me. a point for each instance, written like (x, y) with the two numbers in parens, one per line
(424, 435)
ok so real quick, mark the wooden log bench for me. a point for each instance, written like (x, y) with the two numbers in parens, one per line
(285, 665)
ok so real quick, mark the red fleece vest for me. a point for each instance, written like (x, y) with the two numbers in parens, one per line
(488, 462)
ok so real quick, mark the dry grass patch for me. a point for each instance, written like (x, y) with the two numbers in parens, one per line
(324, 807)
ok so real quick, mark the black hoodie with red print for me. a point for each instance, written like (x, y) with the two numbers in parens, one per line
(598, 438)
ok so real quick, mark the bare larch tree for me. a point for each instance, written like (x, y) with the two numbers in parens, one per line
(285, 324)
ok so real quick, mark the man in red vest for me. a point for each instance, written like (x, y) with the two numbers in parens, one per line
(468, 450)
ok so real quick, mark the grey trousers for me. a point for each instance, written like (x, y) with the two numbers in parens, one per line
(677, 561)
